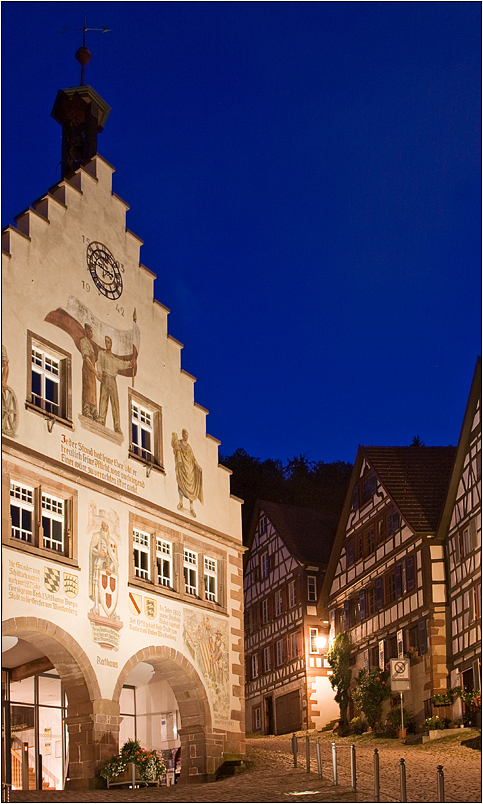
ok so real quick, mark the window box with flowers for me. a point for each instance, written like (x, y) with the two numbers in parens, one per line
(413, 655)
(133, 766)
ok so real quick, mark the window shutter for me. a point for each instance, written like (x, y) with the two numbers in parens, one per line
(379, 593)
(398, 580)
(423, 637)
(362, 605)
(410, 576)
(347, 614)
(472, 527)
(300, 643)
(332, 621)
(350, 552)
(38, 529)
(68, 527)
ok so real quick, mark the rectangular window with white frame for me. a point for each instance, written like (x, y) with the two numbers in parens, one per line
(142, 554)
(279, 652)
(48, 379)
(265, 613)
(312, 588)
(53, 523)
(257, 718)
(190, 570)
(278, 603)
(142, 431)
(292, 645)
(22, 511)
(41, 519)
(264, 565)
(210, 579)
(164, 562)
(313, 636)
(291, 595)
(145, 443)
(255, 667)
(267, 659)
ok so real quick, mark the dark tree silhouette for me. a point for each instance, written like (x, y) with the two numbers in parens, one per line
(309, 484)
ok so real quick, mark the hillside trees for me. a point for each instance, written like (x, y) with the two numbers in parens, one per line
(309, 484)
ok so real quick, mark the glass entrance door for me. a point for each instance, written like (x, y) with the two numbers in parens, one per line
(34, 712)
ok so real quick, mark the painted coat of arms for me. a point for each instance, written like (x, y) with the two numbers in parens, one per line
(51, 579)
(104, 577)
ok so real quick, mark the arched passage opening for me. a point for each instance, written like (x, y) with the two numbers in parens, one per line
(201, 750)
(92, 723)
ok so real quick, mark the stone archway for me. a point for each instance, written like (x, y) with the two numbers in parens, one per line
(93, 723)
(201, 749)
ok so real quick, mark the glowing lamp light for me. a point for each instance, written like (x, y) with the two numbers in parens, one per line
(321, 642)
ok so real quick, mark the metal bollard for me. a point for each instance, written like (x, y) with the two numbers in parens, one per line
(377, 787)
(319, 759)
(440, 782)
(307, 752)
(334, 762)
(402, 777)
(294, 749)
(353, 768)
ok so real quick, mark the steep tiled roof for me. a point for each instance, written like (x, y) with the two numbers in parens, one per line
(308, 534)
(416, 478)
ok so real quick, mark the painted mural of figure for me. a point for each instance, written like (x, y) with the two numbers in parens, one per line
(89, 374)
(4, 367)
(109, 367)
(217, 658)
(189, 474)
(103, 573)
(9, 400)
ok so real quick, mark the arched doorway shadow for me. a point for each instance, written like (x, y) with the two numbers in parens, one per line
(201, 754)
(92, 735)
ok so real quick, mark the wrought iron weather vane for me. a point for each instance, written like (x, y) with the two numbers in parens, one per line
(83, 54)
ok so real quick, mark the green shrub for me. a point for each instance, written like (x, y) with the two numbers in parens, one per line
(393, 721)
(371, 692)
(431, 723)
(358, 725)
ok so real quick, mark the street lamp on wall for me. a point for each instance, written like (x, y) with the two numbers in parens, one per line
(321, 643)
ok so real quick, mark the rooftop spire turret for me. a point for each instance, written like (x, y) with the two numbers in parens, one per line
(82, 113)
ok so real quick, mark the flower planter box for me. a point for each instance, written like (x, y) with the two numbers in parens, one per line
(130, 778)
(437, 734)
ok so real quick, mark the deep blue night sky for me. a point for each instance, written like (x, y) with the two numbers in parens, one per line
(306, 179)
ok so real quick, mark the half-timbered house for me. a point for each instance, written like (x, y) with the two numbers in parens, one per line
(386, 582)
(463, 541)
(287, 674)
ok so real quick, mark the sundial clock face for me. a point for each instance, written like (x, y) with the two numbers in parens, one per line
(104, 270)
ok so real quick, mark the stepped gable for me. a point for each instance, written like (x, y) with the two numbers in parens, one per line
(308, 534)
(417, 480)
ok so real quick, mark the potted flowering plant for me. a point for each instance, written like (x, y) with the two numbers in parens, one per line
(148, 765)
(113, 767)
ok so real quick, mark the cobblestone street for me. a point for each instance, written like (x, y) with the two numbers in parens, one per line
(271, 776)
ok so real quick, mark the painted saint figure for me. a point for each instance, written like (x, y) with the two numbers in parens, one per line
(103, 573)
(109, 366)
(189, 474)
(89, 374)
